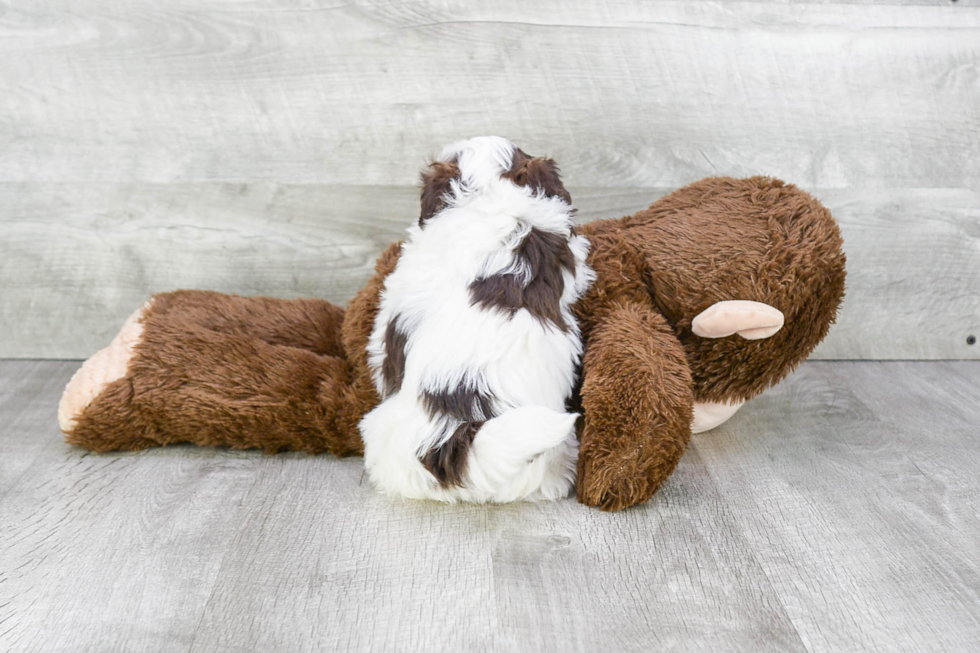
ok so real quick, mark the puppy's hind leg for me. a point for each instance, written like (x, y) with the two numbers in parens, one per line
(526, 453)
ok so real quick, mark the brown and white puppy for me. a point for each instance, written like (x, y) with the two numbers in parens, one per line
(474, 348)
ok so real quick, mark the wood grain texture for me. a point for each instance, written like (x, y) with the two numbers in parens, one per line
(22, 383)
(624, 94)
(836, 512)
(913, 274)
(76, 259)
(856, 484)
(270, 146)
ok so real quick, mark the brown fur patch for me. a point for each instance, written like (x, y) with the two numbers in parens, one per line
(437, 179)
(465, 404)
(545, 255)
(447, 462)
(539, 173)
(503, 292)
(393, 367)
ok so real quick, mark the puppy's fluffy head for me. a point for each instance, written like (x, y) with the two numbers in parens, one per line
(481, 164)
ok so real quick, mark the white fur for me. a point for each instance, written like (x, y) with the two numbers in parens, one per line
(528, 451)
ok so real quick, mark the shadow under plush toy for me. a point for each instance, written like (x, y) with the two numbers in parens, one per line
(702, 301)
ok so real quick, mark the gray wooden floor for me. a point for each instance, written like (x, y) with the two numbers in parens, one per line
(838, 512)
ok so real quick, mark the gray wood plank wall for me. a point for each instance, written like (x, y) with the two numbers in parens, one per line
(271, 146)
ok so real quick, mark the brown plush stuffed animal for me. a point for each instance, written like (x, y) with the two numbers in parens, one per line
(704, 300)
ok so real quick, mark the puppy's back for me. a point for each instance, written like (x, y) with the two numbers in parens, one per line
(475, 346)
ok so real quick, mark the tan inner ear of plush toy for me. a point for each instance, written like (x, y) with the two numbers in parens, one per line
(750, 320)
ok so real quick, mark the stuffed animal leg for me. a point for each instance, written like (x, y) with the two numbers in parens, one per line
(212, 369)
(224, 370)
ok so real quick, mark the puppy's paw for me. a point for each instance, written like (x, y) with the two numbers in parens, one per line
(95, 374)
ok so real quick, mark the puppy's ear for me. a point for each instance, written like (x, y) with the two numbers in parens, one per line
(539, 173)
(436, 181)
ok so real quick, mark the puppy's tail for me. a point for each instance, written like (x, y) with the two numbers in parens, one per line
(527, 452)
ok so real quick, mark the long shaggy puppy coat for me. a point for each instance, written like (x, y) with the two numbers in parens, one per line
(474, 349)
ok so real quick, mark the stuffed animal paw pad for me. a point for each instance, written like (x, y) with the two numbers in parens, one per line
(100, 370)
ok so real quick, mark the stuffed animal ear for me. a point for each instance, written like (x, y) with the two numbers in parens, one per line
(436, 184)
(539, 173)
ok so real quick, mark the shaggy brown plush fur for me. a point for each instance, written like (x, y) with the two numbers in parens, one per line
(723, 238)
(293, 374)
(717, 239)
(638, 406)
(214, 370)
